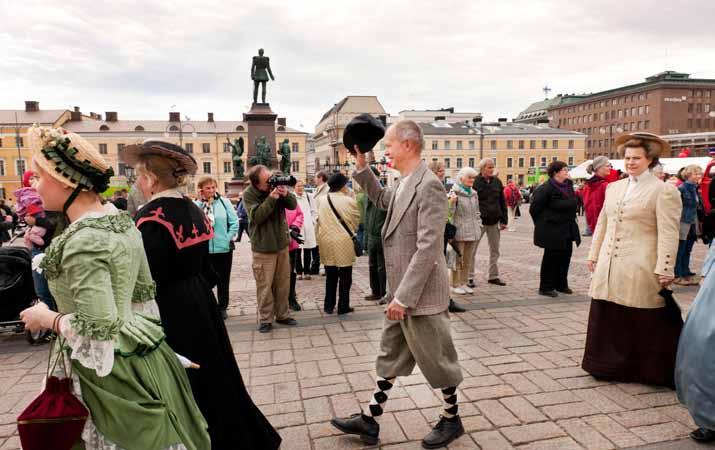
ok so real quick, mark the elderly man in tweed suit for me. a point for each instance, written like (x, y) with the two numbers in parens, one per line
(417, 327)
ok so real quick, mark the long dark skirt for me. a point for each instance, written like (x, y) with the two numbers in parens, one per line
(631, 344)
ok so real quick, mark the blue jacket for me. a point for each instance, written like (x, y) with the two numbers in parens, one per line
(689, 195)
(225, 224)
(242, 213)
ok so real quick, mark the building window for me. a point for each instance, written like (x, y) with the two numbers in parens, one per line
(521, 145)
(102, 149)
(19, 141)
(295, 166)
(699, 107)
(459, 163)
(2, 167)
(0, 142)
(471, 143)
(447, 145)
(189, 147)
(521, 179)
(446, 163)
(532, 144)
(509, 178)
(434, 145)
(227, 167)
(295, 148)
(646, 124)
(122, 169)
(471, 162)
(543, 161)
(226, 147)
(570, 160)
(532, 161)
(641, 110)
(509, 163)
(459, 145)
(521, 162)
(555, 144)
(554, 158)
(509, 144)
(493, 145)
(570, 143)
(706, 108)
(120, 147)
(690, 107)
(206, 148)
(434, 160)
(690, 123)
(207, 167)
(544, 144)
(698, 123)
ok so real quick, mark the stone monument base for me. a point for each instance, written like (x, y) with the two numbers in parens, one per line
(261, 122)
(236, 188)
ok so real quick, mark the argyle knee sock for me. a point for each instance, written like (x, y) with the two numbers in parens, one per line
(451, 409)
(379, 397)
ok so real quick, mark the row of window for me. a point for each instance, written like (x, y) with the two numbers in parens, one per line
(17, 141)
(700, 108)
(617, 128)
(694, 124)
(20, 167)
(509, 144)
(610, 102)
(643, 110)
(189, 146)
(520, 162)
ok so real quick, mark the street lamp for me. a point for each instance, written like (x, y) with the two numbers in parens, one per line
(481, 137)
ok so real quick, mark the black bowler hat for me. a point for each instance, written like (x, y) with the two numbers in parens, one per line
(337, 181)
(131, 153)
(364, 131)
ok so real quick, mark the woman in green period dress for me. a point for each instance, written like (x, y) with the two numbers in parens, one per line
(133, 384)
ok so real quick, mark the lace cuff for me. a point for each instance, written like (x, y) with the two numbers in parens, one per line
(147, 308)
(94, 330)
(91, 353)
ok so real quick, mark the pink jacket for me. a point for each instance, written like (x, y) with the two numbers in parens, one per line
(294, 217)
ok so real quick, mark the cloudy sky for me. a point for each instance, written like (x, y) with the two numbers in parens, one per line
(140, 58)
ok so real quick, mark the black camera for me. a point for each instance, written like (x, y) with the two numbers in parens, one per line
(282, 180)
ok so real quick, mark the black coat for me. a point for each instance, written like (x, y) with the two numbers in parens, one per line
(492, 204)
(554, 216)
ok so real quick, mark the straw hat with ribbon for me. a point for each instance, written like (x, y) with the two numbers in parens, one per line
(70, 159)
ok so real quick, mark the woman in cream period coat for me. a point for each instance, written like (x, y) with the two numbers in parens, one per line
(631, 336)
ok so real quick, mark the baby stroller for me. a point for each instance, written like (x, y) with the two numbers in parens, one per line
(17, 290)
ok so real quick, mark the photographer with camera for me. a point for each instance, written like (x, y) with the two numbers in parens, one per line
(266, 200)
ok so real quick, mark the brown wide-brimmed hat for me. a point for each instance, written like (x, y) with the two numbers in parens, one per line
(131, 153)
(658, 145)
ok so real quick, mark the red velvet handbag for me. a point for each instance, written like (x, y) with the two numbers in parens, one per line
(56, 418)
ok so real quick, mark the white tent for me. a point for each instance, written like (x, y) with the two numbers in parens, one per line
(670, 166)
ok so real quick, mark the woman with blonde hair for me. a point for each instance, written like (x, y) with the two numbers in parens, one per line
(632, 335)
(121, 366)
(177, 235)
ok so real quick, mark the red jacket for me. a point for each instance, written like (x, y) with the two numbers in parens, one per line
(594, 194)
(512, 195)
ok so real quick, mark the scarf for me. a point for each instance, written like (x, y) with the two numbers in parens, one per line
(466, 189)
(209, 211)
(565, 188)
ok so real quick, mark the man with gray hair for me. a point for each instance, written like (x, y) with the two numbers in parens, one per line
(492, 206)
(417, 328)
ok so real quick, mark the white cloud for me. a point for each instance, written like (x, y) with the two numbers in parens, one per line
(139, 58)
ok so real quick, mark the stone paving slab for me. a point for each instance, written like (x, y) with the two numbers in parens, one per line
(520, 353)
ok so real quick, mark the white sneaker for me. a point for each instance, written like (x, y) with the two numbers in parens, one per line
(459, 291)
(467, 289)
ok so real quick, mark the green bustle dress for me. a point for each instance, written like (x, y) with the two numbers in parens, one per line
(133, 384)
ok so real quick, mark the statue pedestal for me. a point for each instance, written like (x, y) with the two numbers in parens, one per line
(261, 121)
(236, 188)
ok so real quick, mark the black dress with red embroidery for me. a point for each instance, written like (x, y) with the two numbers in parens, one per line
(176, 234)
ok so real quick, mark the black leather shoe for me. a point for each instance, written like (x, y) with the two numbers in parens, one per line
(443, 433)
(293, 305)
(358, 424)
(455, 307)
(496, 281)
(703, 435)
(329, 311)
(565, 291)
(372, 297)
(289, 321)
(265, 327)
(340, 313)
(471, 284)
(550, 293)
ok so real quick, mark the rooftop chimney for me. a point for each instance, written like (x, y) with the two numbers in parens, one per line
(211, 117)
(110, 116)
(174, 117)
(503, 121)
(75, 115)
(282, 121)
(31, 106)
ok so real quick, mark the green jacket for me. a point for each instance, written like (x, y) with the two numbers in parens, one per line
(267, 220)
(373, 218)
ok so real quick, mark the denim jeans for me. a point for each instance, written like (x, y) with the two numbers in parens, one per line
(41, 288)
(685, 248)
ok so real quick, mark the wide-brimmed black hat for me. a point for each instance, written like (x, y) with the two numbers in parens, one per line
(364, 131)
(337, 181)
(131, 153)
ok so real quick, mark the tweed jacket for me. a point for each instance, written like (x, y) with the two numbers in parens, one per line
(635, 240)
(412, 239)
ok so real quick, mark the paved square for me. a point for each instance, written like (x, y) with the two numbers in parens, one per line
(520, 353)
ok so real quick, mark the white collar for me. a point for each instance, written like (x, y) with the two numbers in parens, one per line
(169, 193)
(108, 209)
(641, 177)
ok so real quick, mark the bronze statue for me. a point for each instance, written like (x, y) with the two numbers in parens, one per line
(236, 153)
(263, 153)
(284, 151)
(260, 70)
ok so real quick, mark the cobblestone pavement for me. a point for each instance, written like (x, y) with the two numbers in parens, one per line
(520, 353)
